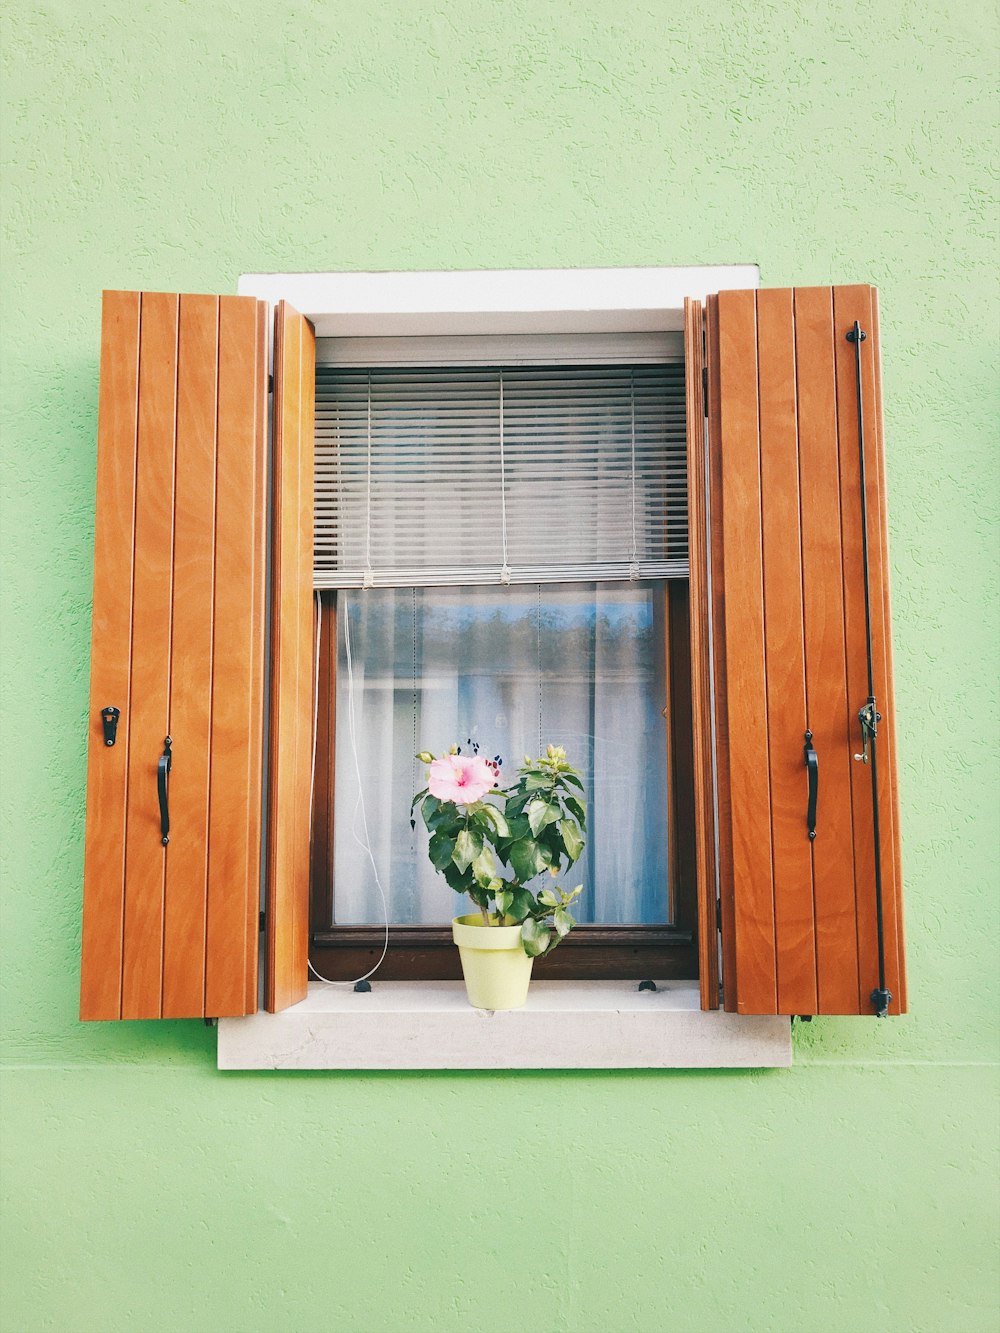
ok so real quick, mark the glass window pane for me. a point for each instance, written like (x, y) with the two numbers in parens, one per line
(578, 665)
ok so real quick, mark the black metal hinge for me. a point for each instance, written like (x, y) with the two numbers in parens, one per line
(718, 915)
(262, 922)
(270, 384)
(704, 387)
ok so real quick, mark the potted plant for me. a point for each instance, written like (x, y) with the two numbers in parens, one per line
(492, 843)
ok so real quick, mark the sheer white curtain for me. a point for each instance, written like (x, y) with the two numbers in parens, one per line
(512, 669)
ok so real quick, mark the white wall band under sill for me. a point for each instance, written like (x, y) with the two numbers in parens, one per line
(564, 1025)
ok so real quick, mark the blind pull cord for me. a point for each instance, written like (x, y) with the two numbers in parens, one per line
(504, 567)
(633, 569)
(868, 715)
(369, 574)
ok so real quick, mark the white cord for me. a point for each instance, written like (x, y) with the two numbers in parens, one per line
(504, 568)
(369, 575)
(360, 803)
(633, 569)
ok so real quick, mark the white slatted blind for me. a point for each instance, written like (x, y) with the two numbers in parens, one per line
(524, 474)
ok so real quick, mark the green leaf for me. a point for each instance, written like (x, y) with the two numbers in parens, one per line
(520, 905)
(459, 880)
(419, 797)
(574, 779)
(488, 817)
(504, 900)
(445, 815)
(547, 898)
(482, 867)
(564, 921)
(577, 807)
(534, 937)
(468, 845)
(572, 840)
(441, 849)
(527, 859)
(536, 781)
(540, 813)
(518, 828)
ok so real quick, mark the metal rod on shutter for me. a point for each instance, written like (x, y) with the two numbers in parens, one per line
(868, 715)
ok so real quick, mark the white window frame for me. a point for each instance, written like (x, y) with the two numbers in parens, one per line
(570, 1024)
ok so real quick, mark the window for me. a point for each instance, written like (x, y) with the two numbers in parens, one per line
(501, 546)
(774, 652)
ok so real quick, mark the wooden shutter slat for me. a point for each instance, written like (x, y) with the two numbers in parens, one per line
(723, 785)
(795, 943)
(110, 682)
(788, 586)
(899, 973)
(321, 865)
(179, 578)
(292, 628)
(749, 751)
(230, 980)
(700, 685)
(850, 304)
(152, 606)
(191, 657)
(829, 714)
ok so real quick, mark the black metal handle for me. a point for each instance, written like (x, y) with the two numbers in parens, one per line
(812, 766)
(162, 769)
(109, 720)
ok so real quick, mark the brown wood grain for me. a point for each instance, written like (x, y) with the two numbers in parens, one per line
(142, 968)
(662, 611)
(234, 821)
(794, 926)
(110, 681)
(829, 713)
(255, 827)
(179, 593)
(850, 304)
(897, 970)
(799, 921)
(700, 665)
(191, 657)
(685, 907)
(746, 684)
(321, 866)
(291, 661)
(717, 591)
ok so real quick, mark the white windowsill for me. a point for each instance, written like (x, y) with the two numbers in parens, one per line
(564, 1025)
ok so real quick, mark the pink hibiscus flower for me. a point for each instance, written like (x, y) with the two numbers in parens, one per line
(460, 778)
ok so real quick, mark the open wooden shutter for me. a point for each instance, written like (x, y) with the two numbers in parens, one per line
(780, 579)
(170, 918)
(292, 661)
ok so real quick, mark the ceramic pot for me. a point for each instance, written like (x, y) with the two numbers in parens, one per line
(496, 968)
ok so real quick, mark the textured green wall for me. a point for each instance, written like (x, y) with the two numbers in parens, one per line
(175, 145)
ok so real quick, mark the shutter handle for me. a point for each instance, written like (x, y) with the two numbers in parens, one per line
(812, 765)
(162, 769)
(109, 721)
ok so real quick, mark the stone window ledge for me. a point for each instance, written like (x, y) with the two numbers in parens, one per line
(564, 1025)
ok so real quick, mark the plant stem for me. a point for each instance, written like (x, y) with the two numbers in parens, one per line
(484, 912)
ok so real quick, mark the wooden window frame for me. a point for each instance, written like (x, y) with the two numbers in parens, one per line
(607, 302)
(592, 952)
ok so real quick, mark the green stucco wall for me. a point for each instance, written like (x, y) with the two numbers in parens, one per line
(175, 145)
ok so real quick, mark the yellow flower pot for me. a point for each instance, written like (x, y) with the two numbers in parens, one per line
(496, 968)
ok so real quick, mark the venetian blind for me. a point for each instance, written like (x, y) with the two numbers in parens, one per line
(478, 475)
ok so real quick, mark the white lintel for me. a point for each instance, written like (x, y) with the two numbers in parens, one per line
(497, 301)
